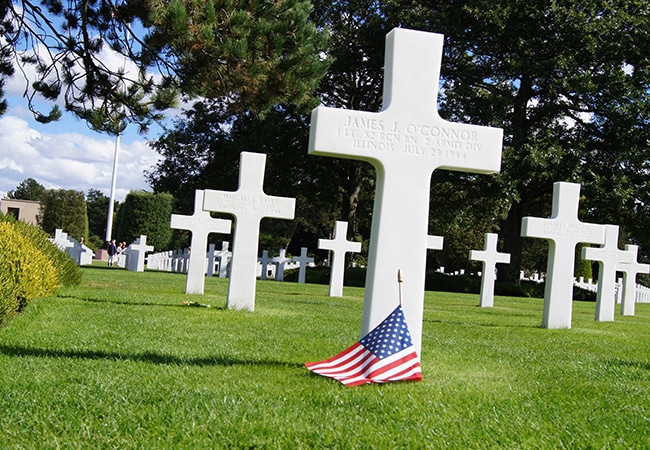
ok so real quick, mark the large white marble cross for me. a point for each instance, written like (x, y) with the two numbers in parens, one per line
(303, 260)
(630, 270)
(200, 224)
(609, 256)
(405, 142)
(490, 257)
(564, 231)
(339, 246)
(249, 205)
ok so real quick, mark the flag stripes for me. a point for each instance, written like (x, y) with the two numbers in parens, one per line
(360, 364)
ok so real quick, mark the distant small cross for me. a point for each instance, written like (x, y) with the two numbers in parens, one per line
(200, 224)
(563, 231)
(223, 256)
(249, 205)
(490, 258)
(265, 260)
(609, 256)
(61, 239)
(339, 246)
(630, 270)
(405, 142)
(303, 260)
(211, 260)
(279, 262)
(77, 250)
(136, 253)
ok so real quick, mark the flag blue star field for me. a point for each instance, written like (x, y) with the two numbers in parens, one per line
(385, 354)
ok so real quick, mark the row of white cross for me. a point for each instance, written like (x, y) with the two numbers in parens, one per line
(251, 205)
(405, 142)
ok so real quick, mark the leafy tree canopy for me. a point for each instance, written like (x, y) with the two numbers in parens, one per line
(66, 210)
(569, 82)
(249, 54)
(28, 189)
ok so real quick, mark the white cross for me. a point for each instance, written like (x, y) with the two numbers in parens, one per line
(77, 251)
(564, 231)
(264, 260)
(279, 262)
(339, 247)
(136, 252)
(223, 256)
(630, 270)
(303, 260)
(61, 239)
(609, 256)
(405, 142)
(249, 205)
(211, 260)
(490, 257)
(200, 224)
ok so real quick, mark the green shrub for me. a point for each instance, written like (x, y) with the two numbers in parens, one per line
(26, 271)
(30, 266)
(68, 273)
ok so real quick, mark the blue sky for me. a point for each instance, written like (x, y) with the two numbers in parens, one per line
(67, 154)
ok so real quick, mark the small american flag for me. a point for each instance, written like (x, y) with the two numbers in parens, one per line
(384, 354)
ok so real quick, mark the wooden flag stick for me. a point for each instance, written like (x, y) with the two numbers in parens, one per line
(399, 281)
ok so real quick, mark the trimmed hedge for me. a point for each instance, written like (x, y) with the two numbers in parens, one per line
(30, 267)
(435, 281)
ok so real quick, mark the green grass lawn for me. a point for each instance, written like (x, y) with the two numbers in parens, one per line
(118, 362)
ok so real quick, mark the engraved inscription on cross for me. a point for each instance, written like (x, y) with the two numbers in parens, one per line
(201, 224)
(609, 256)
(490, 257)
(249, 205)
(564, 231)
(405, 142)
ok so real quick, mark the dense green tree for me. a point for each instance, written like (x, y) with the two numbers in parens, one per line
(97, 208)
(28, 189)
(203, 148)
(65, 210)
(354, 81)
(250, 54)
(569, 84)
(145, 213)
(202, 151)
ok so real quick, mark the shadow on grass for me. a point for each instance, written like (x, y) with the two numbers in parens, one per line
(147, 357)
(481, 324)
(630, 364)
(132, 303)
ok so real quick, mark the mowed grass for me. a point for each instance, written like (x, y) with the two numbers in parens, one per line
(118, 362)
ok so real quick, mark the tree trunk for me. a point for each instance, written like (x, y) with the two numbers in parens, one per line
(511, 234)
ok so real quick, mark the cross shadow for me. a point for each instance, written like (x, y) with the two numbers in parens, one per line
(148, 357)
(129, 303)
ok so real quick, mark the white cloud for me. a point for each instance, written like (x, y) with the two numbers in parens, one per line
(67, 154)
(62, 159)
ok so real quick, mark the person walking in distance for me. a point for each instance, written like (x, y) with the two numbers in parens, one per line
(112, 250)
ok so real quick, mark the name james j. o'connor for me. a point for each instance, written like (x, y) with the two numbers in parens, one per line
(410, 138)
